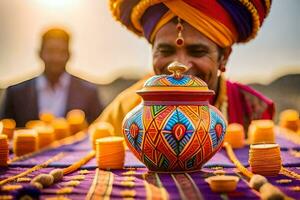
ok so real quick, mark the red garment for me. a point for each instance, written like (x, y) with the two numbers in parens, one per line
(245, 104)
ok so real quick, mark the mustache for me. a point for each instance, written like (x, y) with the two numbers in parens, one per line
(197, 74)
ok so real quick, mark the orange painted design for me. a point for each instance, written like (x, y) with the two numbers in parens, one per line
(179, 131)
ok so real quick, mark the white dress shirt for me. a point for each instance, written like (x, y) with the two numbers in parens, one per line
(53, 99)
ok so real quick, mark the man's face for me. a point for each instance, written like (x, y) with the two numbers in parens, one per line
(199, 53)
(55, 54)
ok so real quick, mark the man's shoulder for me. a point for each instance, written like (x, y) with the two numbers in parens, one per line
(83, 83)
(22, 85)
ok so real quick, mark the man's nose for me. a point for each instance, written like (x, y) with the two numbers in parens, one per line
(183, 59)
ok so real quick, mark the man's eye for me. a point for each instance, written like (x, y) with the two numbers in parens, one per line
(198, 53)
(166, 52)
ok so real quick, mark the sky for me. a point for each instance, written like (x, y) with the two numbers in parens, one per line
(103, 50)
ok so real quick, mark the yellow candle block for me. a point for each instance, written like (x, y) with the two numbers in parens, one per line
(289, 119)
(110, 152)
(76, 120)
(9, 126)
(25, 141)
(75, 116)
(235, 135)
(100, 130)
(1, 127)
(265, 159)
(4, 150)
(46, 117)
(261, 131)
(222, 183)
(61, 128)
(34, 123)
(45, 136)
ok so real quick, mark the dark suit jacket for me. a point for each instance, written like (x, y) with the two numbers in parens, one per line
(20, 101)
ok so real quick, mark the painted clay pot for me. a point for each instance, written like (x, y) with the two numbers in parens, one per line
(174, 128)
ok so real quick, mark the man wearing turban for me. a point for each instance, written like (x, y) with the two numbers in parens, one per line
(198, 34)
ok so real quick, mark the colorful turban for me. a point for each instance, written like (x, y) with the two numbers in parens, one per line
(225, 22)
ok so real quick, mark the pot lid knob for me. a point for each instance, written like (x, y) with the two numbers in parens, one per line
(177, 69)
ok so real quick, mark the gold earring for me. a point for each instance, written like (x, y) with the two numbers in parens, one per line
(222, 68)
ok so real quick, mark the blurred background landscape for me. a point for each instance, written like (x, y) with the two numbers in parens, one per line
(105, 53)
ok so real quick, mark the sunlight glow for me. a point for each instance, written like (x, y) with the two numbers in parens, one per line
(57, 4)
(102, 50)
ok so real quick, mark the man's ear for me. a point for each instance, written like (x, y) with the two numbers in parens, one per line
(224, 59)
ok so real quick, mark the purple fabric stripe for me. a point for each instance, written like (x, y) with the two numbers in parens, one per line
(286, 144)
(130, 161)
(241, 17)
(286, 187)
(80, 149)
(217, 159)
(118, 188)
(125, 12)
(79, 192)
(151, 17)
(169, 184)
(243, 191)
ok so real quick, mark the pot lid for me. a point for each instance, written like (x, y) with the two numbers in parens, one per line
(177, 84)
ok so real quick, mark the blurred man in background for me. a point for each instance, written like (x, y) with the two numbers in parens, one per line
(54, 91)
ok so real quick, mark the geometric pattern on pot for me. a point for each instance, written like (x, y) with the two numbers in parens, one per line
(176, 138)
(133, 130)
(178, 131)
(166, 80)
(217, 127)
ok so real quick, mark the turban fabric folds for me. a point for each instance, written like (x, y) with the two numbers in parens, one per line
(225, 22)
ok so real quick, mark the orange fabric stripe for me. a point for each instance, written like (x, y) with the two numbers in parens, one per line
(211, 28)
